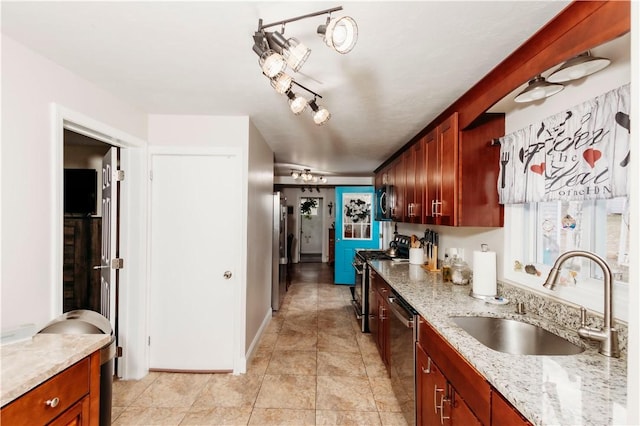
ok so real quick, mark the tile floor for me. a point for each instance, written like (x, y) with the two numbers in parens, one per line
(312, 367)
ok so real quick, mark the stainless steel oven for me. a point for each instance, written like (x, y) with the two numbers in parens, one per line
(361, 288)
(360, 300)
(403, 337)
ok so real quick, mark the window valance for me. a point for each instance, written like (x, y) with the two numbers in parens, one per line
(578, 154)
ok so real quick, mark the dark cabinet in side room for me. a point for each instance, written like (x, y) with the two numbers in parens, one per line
(81, 283)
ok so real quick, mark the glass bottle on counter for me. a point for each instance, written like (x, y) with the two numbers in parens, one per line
(446, 268)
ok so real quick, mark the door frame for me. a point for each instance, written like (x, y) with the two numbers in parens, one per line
(296, 255)
(132, 316)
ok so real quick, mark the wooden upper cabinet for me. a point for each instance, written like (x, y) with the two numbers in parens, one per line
(479, 169)
(414, 166)
(442, 173)
(399, 187)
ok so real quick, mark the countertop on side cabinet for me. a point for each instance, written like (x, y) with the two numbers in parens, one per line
(26, 364)
(583, 389)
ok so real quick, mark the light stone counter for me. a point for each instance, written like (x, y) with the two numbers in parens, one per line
(583, 389)
(26, 364)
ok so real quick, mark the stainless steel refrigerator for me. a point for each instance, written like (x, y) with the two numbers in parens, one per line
(280, 260)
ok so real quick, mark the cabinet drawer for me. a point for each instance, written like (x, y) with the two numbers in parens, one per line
(467, 382)
(69, 386)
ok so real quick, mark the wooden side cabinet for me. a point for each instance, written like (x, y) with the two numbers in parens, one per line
(70, 398)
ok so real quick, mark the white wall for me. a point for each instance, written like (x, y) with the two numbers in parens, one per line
(259, 223)
(30, 84)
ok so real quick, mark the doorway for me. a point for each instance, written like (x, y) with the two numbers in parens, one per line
(311, 222)
(82, 221)
(133, 363)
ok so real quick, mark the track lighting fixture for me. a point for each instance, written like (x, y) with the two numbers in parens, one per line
(276, 52)
(306, 176)
(537, 89)
(578, 67)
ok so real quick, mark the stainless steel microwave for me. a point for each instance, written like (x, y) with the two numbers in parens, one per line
(384, 202)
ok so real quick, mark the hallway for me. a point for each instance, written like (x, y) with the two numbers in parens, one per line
(309, 369)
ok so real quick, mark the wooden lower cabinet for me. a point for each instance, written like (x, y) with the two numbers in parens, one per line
(450, 392)
(430, 392)
(379, 317)
(77, 415)
(70, 398)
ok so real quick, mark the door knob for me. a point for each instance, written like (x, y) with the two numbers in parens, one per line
(227, 275)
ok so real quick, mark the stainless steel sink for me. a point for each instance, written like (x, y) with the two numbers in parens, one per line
(515, 337)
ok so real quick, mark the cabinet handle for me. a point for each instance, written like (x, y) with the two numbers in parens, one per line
(437, 407)
(428, 369)
(436, 208)
(442, 416)
(53, 403)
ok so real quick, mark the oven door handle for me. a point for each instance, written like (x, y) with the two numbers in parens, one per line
(400, 313)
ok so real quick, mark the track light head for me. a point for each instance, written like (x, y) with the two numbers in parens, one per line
(281, 83)
(297, 103)
(340, 34)
(320, 114)
(294, 52)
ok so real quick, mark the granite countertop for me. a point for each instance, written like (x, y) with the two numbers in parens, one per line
(583, 389)
(28, 363)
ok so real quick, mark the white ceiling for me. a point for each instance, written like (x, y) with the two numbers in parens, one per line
(412, 60)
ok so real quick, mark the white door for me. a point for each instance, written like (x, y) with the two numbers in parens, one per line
(195, 253)
(109, 248)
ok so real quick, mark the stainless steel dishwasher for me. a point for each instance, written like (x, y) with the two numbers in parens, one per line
(403, 337)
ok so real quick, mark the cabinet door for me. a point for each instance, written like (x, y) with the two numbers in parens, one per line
(383, 331)
(449, 170)
(432, 172)
(408, 159)
(77, 415)
(373, 306)
(479, 171)
(431, 392)
(399, 190)
(420, 180)
(461, 415)
(504, 414)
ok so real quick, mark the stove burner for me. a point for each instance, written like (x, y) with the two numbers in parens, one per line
(373, 255)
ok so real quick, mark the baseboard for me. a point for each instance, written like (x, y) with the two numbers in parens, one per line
(256, 341)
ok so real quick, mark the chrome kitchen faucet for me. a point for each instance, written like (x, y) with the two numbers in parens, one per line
(607, 335)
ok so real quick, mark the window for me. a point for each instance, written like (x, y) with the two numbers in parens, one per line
(537, 233)
(598, 226)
